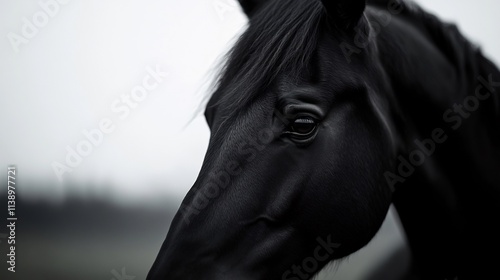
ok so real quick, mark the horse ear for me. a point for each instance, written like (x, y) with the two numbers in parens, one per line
(345, 13)
(250, 6)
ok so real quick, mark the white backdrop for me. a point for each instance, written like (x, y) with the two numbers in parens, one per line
(67, 66)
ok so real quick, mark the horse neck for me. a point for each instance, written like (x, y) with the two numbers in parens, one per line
(432, 67)
(433, 70)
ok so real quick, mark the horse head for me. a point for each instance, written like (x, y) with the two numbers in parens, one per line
(300, 139)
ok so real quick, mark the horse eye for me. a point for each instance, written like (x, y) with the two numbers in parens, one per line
(303, 125)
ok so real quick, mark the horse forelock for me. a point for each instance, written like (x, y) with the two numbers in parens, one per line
(281, 38)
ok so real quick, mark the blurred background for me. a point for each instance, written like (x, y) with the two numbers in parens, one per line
(97, 205)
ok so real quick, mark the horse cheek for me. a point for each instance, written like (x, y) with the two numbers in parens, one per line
(246, 151)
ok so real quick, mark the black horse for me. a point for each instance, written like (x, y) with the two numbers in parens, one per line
(325, 113)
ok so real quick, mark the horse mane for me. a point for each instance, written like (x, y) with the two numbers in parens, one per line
(281, 38)
(446, 36)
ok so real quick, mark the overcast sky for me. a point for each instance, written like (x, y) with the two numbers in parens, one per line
(76, 71)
